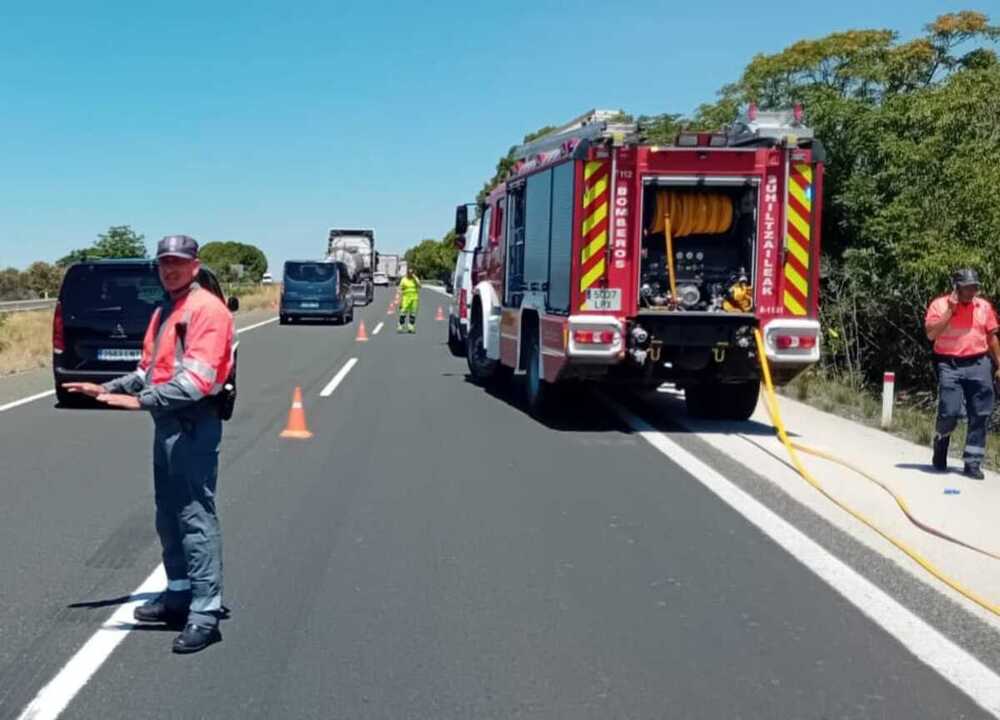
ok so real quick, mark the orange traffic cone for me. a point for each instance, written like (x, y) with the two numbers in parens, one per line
(440, 314)
(362, 333)
(296, 427)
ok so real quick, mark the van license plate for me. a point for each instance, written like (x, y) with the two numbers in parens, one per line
(310, 304)
(603, 299)
(118, 354)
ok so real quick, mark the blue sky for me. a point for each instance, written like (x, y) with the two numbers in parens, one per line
(269, 122)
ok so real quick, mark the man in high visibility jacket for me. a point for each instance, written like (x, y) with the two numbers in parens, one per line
(409, 302)
(963, 328)
(186, 357)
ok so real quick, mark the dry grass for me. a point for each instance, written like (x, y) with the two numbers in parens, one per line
(25, 341)
(26, 337)
(911, 421)
(263, 298)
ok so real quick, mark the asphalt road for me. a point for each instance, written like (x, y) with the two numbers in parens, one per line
(432, 552)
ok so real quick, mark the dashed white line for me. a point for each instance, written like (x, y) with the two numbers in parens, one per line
(378, 329)
(341, 374)
(52, 699)
(949, 660)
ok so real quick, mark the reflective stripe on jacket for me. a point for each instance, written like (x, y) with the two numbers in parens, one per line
(185, 357)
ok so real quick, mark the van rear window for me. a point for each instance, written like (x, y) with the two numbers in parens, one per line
(108, 289)
(310, 272)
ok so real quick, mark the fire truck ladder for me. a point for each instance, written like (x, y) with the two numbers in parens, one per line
(593, 126)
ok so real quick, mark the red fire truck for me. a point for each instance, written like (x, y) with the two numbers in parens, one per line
(605, 258)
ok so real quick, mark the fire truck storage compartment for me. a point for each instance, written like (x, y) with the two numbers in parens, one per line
(540, 237)
(713, 234)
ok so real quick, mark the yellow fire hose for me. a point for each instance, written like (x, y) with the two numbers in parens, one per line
(770, 401)
(671, 272)
(679, 214)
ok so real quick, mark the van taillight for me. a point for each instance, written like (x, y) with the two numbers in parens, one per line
(58, 336)
(463, 307)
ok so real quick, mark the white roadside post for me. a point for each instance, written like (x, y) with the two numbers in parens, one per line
(888, 398)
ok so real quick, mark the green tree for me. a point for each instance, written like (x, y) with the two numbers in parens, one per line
(120, 241)
(11, 284)
(222, 256)
(910, 130)
(42, 279)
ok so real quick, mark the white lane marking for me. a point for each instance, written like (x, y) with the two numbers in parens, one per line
(47, 393)
(256, 325)
(378, 329)
(23, 401)
(341, 374)
(52, 699)
(949, 660)
(57, 694)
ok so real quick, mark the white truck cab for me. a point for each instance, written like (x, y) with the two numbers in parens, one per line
(461, 296)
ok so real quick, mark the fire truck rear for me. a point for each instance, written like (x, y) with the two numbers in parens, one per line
(603, 258)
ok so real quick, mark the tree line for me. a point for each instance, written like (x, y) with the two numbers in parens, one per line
(912, 132)
(230, 261)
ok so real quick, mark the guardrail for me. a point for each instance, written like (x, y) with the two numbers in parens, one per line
(22, 305)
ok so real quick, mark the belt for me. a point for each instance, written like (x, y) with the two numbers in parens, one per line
(956, 361)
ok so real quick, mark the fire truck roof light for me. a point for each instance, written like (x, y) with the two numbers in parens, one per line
(752, 112)
(687, 140)
(798, 112)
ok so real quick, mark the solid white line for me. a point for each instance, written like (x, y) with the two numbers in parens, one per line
(52, 699)
(377, 330)
(341, 374)
(57, 694)
(23, 401)
(47, 393)
(935, 650)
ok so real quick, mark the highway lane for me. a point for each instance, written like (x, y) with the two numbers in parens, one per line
(431, 553)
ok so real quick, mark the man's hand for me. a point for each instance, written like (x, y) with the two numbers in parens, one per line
(125, 402)
(953, 301)
(92, 390)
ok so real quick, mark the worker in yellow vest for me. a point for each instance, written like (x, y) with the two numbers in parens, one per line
(409, 293)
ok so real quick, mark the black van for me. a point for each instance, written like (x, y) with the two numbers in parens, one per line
(101, 318)
(316, 289)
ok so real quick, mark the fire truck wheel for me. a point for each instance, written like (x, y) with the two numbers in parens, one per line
(534, 389)
(481, 368)
(738, 401)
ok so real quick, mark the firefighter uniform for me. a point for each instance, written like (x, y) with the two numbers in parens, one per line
(186, 358)
(965, 374)
(409, 293)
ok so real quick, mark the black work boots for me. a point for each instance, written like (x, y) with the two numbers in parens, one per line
(196, 637)
(159, 611)
(940, 459)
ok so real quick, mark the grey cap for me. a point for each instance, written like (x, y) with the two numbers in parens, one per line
(965, 277)
(180, 246)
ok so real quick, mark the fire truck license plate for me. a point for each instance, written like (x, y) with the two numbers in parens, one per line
(604, 299)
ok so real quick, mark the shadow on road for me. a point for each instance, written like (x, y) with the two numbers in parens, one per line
(928, 469)
(98, 604)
